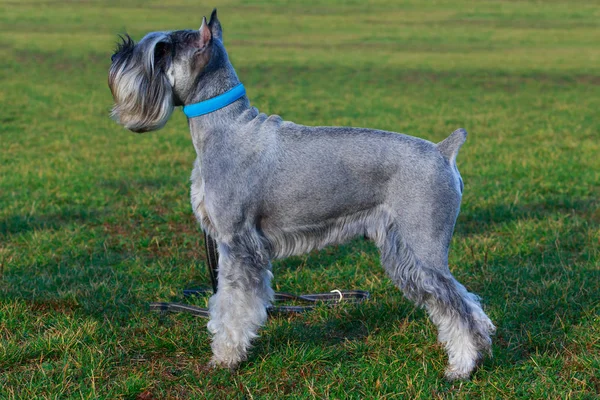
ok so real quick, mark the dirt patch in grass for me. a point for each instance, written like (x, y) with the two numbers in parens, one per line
(63, 306)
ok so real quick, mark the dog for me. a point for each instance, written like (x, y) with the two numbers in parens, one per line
(266, 188)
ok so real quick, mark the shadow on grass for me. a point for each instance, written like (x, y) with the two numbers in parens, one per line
(341, 330)
(545, 287)
(89, 283)
(537, 295)
(125, 187)
(477, 221)
(18, 224)
(538, 299)
(107, 271)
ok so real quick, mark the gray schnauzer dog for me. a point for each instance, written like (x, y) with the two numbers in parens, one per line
(265, 188)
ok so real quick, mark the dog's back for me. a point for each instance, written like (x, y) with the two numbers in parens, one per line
(327, 184)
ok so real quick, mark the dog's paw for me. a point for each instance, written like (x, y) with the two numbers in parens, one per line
(215, 363)
(452, 374)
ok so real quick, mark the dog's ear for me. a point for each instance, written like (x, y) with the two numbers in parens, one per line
(205, 35)
(215, 26)
(162, 54)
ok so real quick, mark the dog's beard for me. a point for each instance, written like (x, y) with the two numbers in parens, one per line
(143, 94)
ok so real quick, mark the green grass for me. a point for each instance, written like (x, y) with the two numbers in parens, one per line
(95, 221)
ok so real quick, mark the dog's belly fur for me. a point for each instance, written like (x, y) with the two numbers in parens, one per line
(299, 239)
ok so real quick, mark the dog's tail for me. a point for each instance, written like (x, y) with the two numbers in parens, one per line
(450, 146)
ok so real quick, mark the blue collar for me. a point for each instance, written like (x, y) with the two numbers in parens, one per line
(216, 103)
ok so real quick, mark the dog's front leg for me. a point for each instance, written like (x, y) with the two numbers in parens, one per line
(239, 308)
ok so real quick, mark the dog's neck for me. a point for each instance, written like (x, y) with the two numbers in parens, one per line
(218, 81)
(215, 80)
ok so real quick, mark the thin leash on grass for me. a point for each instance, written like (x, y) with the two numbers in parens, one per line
(312, 300)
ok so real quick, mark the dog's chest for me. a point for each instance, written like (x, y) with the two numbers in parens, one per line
(198, 199)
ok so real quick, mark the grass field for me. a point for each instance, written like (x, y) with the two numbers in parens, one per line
(95, 221)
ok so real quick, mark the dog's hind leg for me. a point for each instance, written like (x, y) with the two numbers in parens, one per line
(424, 277)
(239, 308)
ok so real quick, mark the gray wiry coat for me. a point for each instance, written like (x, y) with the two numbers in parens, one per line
(306, 187)
(266, 188)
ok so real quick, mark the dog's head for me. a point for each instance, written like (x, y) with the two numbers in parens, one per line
(150, 78)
